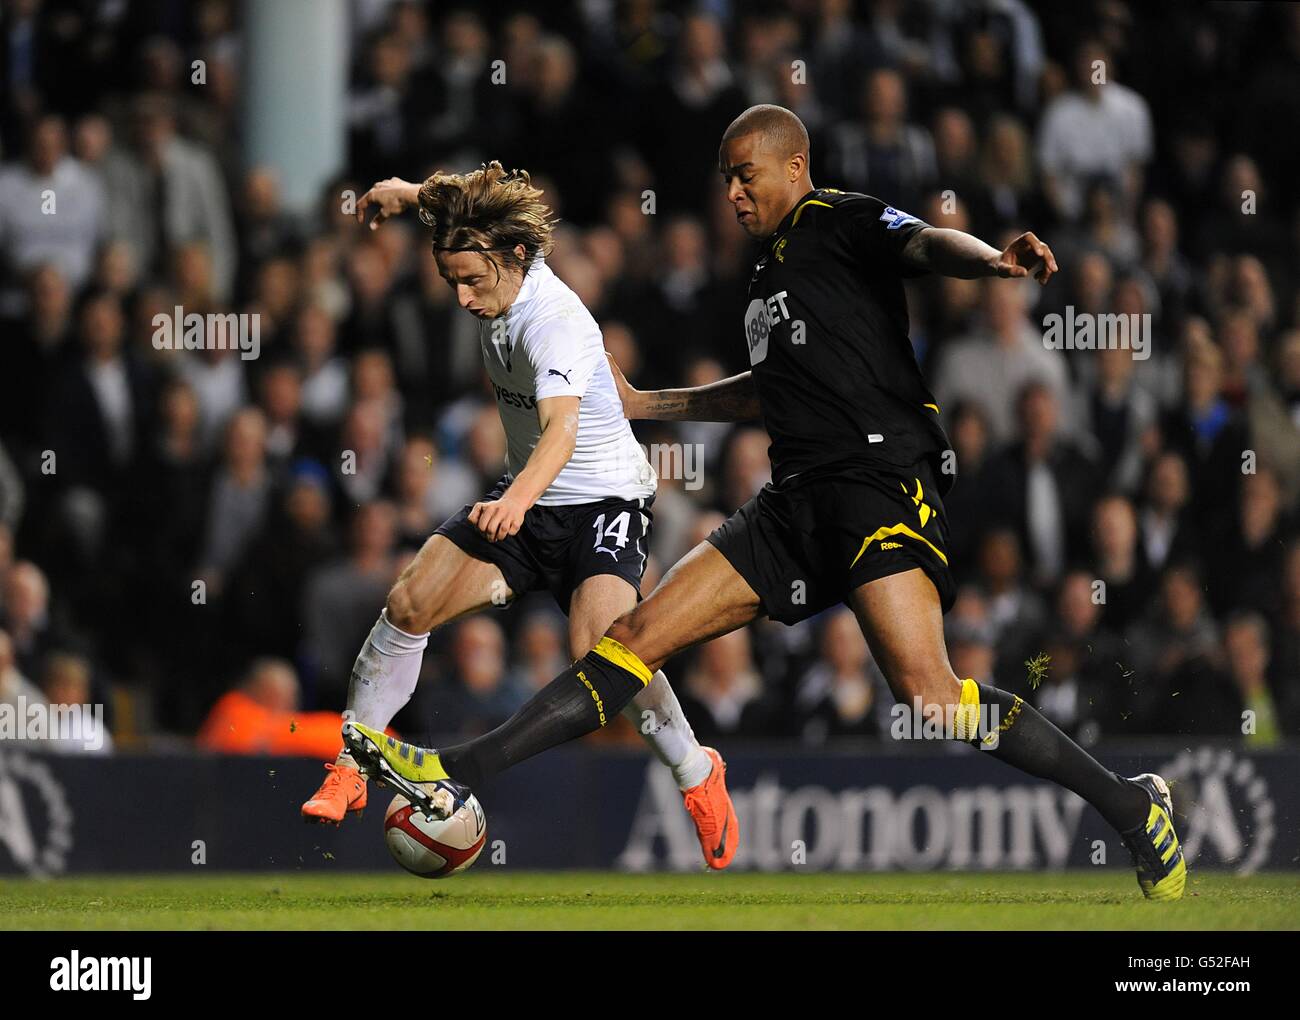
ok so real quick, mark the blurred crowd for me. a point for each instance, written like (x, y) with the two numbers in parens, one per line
(177, 527)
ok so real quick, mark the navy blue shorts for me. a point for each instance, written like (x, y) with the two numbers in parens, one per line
(559, 547)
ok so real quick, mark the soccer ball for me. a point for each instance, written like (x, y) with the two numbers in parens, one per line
(437, 848)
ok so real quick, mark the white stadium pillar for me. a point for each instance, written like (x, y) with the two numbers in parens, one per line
(295, 76)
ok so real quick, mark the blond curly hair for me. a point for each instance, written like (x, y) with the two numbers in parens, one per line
(488, 210)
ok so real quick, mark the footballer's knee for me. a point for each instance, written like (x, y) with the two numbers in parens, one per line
(584, 632)
(406, 613)
(630, 630)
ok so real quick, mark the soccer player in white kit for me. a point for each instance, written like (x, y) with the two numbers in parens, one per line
(571, 515)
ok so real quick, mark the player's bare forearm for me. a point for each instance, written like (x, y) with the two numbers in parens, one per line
(951, 253)
(733, 399)
(955, 253)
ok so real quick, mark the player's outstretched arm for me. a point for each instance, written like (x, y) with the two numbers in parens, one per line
(390, 198)
(733, 399)
(955, 253)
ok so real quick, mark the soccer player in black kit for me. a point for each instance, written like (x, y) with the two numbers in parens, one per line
(854, 513)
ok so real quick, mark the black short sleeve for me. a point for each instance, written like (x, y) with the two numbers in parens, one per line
(876, 233)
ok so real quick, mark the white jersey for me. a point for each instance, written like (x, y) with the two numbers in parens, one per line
(548, 345)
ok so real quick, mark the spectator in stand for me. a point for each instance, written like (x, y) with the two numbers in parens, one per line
(972, 501)
(339, 602)
(361, 473)
(1162, 259)
(13, 685)
(994, 364)
(27, 616)
(100, 402)
(280, 398)
(476, 696)
(166, 191)
(1246, 561)
(1061, 694)
(541, 651)
(1243, 374)
(1095, 664)
(217, 378)
(1167, 529)
(238, 501)
(324, 375)
(746, 468)
(1099, 129)
(38, 342)
(1008, 191)
(262, 226)
(1224, 223)
(1273, 417)
(1046, 481)
(51, 208)
(883, 154)
(723, 694)
(692, 102)
(273, 574)
(1118, 563)
(1246, 651)
(1121, 415)
(76, 726)
(842, 694)
(261, 716)
(1014, 611)
(1208, 434)
(1176, 654)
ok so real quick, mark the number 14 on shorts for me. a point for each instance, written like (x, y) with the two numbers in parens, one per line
(614, 532)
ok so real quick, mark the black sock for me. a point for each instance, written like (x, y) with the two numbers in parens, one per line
(581, 699)
(1028, 741)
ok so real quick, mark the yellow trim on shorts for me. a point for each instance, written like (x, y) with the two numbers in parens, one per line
(897, 529)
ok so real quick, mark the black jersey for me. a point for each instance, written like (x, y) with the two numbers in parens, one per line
(826, 325)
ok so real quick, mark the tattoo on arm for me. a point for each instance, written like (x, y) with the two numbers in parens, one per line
(733, 399)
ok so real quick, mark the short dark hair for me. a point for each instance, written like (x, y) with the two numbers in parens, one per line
(775, 123)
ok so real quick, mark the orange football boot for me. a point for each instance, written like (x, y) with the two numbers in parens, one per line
(344, 790)
(715, 820)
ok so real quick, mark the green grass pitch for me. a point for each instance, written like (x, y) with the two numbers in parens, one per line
(488, 899)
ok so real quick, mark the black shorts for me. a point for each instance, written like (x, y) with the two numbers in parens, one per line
(804, 547)
(559, 547)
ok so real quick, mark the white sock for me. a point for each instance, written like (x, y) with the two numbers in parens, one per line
(659, 719)
(384, 676)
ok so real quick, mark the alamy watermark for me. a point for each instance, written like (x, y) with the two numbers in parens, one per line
(68, 724)
(1088, 331)
(215, 331)
(682, 462)
(77, 973)
(919, 721)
